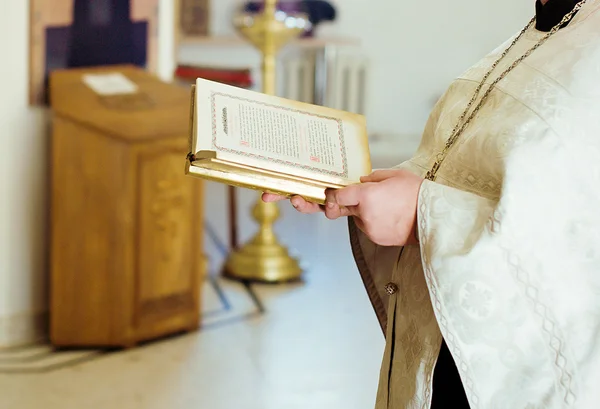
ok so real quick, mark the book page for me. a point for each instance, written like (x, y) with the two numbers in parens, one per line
(110, 84)
(281, 135)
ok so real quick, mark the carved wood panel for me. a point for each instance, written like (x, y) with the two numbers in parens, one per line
(166, 265)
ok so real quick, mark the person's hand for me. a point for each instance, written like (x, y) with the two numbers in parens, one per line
(384, 206)
(297, 201)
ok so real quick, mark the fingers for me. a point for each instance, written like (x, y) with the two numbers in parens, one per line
(303, 206)
(298, 202)
(334, 211)
(379, 175)
(348, 196)
(271, 197)
(342, 202)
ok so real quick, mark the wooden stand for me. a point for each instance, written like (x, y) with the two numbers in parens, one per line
(127, 259)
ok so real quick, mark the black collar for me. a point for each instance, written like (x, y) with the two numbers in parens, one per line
(551, 13)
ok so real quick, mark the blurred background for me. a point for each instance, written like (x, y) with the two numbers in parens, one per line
(111, 292)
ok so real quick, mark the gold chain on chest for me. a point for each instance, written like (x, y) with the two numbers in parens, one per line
(462, 122)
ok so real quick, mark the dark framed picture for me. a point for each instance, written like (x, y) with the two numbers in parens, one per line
(84, 33)
(193, 18)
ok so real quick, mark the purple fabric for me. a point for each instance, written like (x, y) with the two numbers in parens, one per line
(285, 6)
(317, 10)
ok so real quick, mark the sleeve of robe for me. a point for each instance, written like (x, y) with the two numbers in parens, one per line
(515, 283)
(375, 263)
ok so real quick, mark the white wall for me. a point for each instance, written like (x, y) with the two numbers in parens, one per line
(415, 48)
(22, 180)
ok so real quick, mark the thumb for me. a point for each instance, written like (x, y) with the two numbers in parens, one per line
(348, 196)
(379, 176)
(345, 201)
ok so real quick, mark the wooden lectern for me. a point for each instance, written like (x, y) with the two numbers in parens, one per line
(127, 261)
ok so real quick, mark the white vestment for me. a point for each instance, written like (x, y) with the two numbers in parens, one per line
(508, 267)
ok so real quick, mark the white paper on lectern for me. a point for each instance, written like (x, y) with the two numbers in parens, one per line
(110, 84)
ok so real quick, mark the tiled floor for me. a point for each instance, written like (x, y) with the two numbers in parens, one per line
(317, 344)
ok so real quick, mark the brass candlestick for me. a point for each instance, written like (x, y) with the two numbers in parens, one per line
(263, 259)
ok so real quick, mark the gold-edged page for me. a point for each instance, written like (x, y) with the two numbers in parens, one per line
(217, 163)
(280, 135)
(193, 120)
(212, 169)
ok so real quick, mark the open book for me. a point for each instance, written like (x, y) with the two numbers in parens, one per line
(271, 144)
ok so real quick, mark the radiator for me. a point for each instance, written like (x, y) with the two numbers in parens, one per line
(330, 77)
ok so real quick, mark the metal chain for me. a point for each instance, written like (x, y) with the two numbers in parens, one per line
(460, 126)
